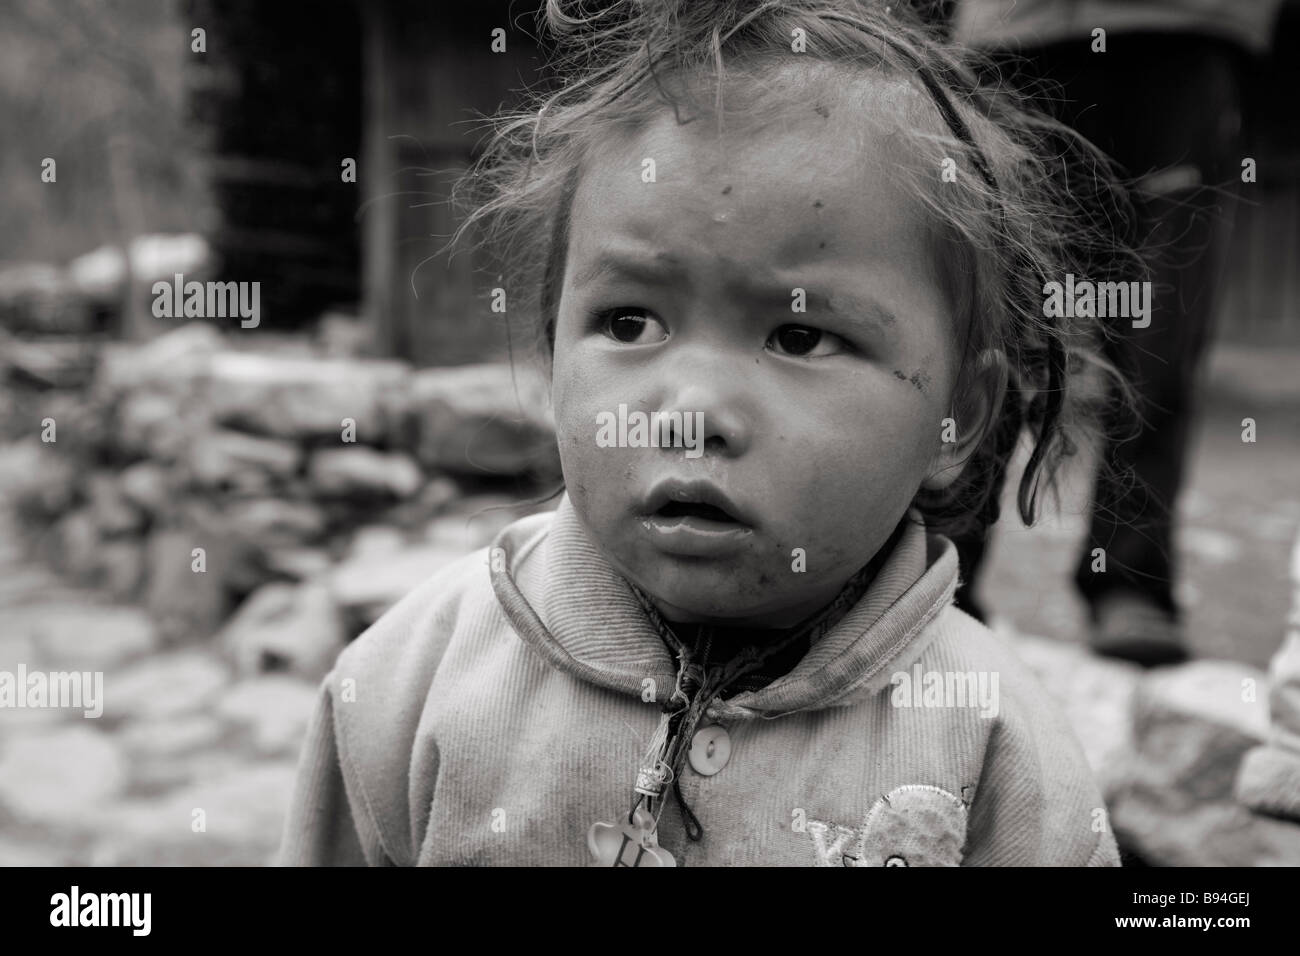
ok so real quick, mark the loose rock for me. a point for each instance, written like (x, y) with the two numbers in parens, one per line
(360, 471)
(367, 587)
(289, 628)
(275, 708)
(232, 460)
(61, 777)
(471, 420)
(168, 685)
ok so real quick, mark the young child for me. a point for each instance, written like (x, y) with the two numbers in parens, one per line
(797, 234)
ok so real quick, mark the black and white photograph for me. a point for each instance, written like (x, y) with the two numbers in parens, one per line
(650, 433)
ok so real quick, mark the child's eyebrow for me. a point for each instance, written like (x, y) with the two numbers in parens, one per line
(659, 270)
(667, 270)
(840, 302)
(854, 307)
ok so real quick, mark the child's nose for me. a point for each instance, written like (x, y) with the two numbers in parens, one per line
(715, 399)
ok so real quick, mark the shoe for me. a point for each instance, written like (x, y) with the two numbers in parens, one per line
(1131, 628)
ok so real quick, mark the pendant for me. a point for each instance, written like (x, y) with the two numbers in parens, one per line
(628, 844)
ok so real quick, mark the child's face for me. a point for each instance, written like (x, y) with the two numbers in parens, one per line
(819, 427)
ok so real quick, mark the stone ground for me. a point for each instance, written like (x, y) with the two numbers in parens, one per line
(184, 736)
(180, 736)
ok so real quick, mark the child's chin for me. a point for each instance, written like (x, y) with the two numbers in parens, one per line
(705, 594)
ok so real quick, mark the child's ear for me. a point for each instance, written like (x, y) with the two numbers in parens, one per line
(973, 415)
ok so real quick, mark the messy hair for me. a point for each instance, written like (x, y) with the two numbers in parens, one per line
(1030, 202)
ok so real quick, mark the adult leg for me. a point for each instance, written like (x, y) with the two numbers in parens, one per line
(1183, 149)
(1167, 108)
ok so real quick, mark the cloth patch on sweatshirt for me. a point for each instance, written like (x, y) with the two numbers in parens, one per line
(914, 825)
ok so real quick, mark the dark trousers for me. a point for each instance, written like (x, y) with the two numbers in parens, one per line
(1168, 109)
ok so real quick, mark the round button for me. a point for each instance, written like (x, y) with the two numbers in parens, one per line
(710, 750)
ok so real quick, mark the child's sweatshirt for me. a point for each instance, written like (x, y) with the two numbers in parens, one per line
(491, 719)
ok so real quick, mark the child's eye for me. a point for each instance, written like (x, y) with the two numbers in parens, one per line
(631, 326)
(805, 342)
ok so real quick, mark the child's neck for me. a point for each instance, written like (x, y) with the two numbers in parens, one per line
(717, 644)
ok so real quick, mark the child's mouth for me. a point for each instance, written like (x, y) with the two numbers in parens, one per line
(696, 501)
(695, 509)
(696, 529)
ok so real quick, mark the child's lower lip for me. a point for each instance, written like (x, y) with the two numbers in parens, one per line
(694, 536)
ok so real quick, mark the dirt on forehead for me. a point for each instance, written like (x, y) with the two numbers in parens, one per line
(755, 95)
(863, 111)
(877, 122)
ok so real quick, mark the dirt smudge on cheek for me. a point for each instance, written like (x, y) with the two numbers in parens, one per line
(755, 589)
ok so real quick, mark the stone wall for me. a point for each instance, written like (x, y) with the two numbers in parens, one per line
(278, 499)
